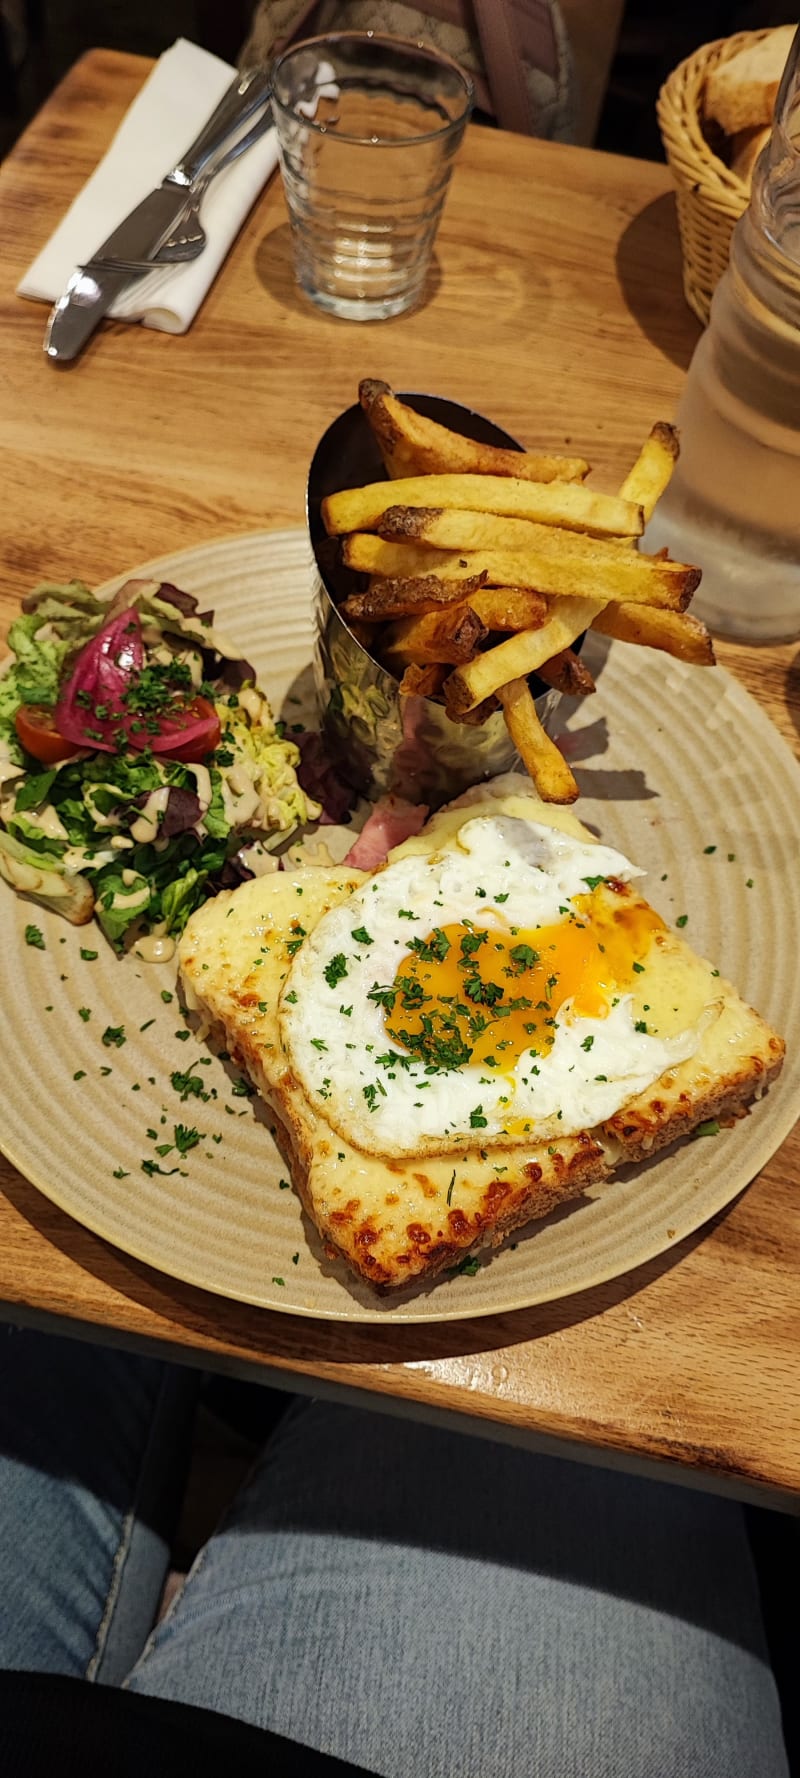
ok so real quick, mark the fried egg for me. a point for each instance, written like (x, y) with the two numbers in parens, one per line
(493, 992)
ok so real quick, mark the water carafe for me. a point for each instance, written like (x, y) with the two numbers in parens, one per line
(733, 506)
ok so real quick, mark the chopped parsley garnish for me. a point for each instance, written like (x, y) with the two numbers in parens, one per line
(433, 949)
(190, 1086)
(336, 970)
(441, 1047)
(468, 1267)
(166, 996)
(85, 1013)
(682, 920)
(186, 1138)
(384, 997)
(477, 1121)
(291, 999)
(89, 956)
(708, 849)
(641, 1025)
(483, 993)
(35, 937)
(361, 935)
(114, 1036)
(119, 1173)
(523, 957)
(638, 969)
(587, 1043)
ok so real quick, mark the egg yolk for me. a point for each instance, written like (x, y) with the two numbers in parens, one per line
(485, 995)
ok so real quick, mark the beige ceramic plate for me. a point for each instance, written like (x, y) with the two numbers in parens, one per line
(671, 760)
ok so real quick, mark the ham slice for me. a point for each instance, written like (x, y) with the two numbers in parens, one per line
(392, 821)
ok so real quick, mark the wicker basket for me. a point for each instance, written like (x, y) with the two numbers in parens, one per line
(710, 196)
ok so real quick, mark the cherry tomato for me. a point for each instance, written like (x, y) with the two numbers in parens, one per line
(199, 717)
(35, 726)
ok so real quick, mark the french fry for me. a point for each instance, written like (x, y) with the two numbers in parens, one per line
(480, 714)
(410, 444)
(451, 635)
(623, 575)
(549, 503)
(646, 481)
(508, 607)
(566, 673)
(675, 632)
(518, 655)
(540, 756)
(423, 682)
(465, 540)
(457, 528)
(409, 598)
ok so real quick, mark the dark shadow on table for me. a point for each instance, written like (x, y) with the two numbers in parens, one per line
(649, 272)
(251, 1330)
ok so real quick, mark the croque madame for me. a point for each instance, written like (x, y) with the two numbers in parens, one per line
(456, 1043)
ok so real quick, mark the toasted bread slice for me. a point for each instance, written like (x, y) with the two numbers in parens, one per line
(746, 147)
(740, 93)
(396, 1219)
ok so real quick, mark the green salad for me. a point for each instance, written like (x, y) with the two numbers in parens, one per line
(141, 769)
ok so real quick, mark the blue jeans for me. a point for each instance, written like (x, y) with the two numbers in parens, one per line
(417, 1601)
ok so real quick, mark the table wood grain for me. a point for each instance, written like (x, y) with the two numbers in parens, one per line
(555, 306)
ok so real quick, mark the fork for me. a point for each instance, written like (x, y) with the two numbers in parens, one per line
(189, 237)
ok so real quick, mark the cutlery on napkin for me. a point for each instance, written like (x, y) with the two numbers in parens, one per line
(175, 101)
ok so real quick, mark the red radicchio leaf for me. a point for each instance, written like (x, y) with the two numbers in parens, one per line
(317, 775)
(182, 810)
(100, 676)
(185, 603)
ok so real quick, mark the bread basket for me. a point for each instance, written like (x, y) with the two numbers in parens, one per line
(710, 196)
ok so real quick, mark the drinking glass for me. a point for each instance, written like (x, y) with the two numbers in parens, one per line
(368, 128)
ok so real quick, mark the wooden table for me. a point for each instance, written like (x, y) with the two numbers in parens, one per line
(556, 308)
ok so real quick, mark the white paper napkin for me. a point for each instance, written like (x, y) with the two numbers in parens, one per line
(174, 103)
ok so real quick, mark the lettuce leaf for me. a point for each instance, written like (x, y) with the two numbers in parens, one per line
(31, 679)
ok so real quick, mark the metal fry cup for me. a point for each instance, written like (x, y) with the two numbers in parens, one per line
(379, 741)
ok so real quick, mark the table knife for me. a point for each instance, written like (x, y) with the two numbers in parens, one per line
(93, 288)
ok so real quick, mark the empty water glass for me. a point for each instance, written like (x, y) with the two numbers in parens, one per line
(368, 128)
